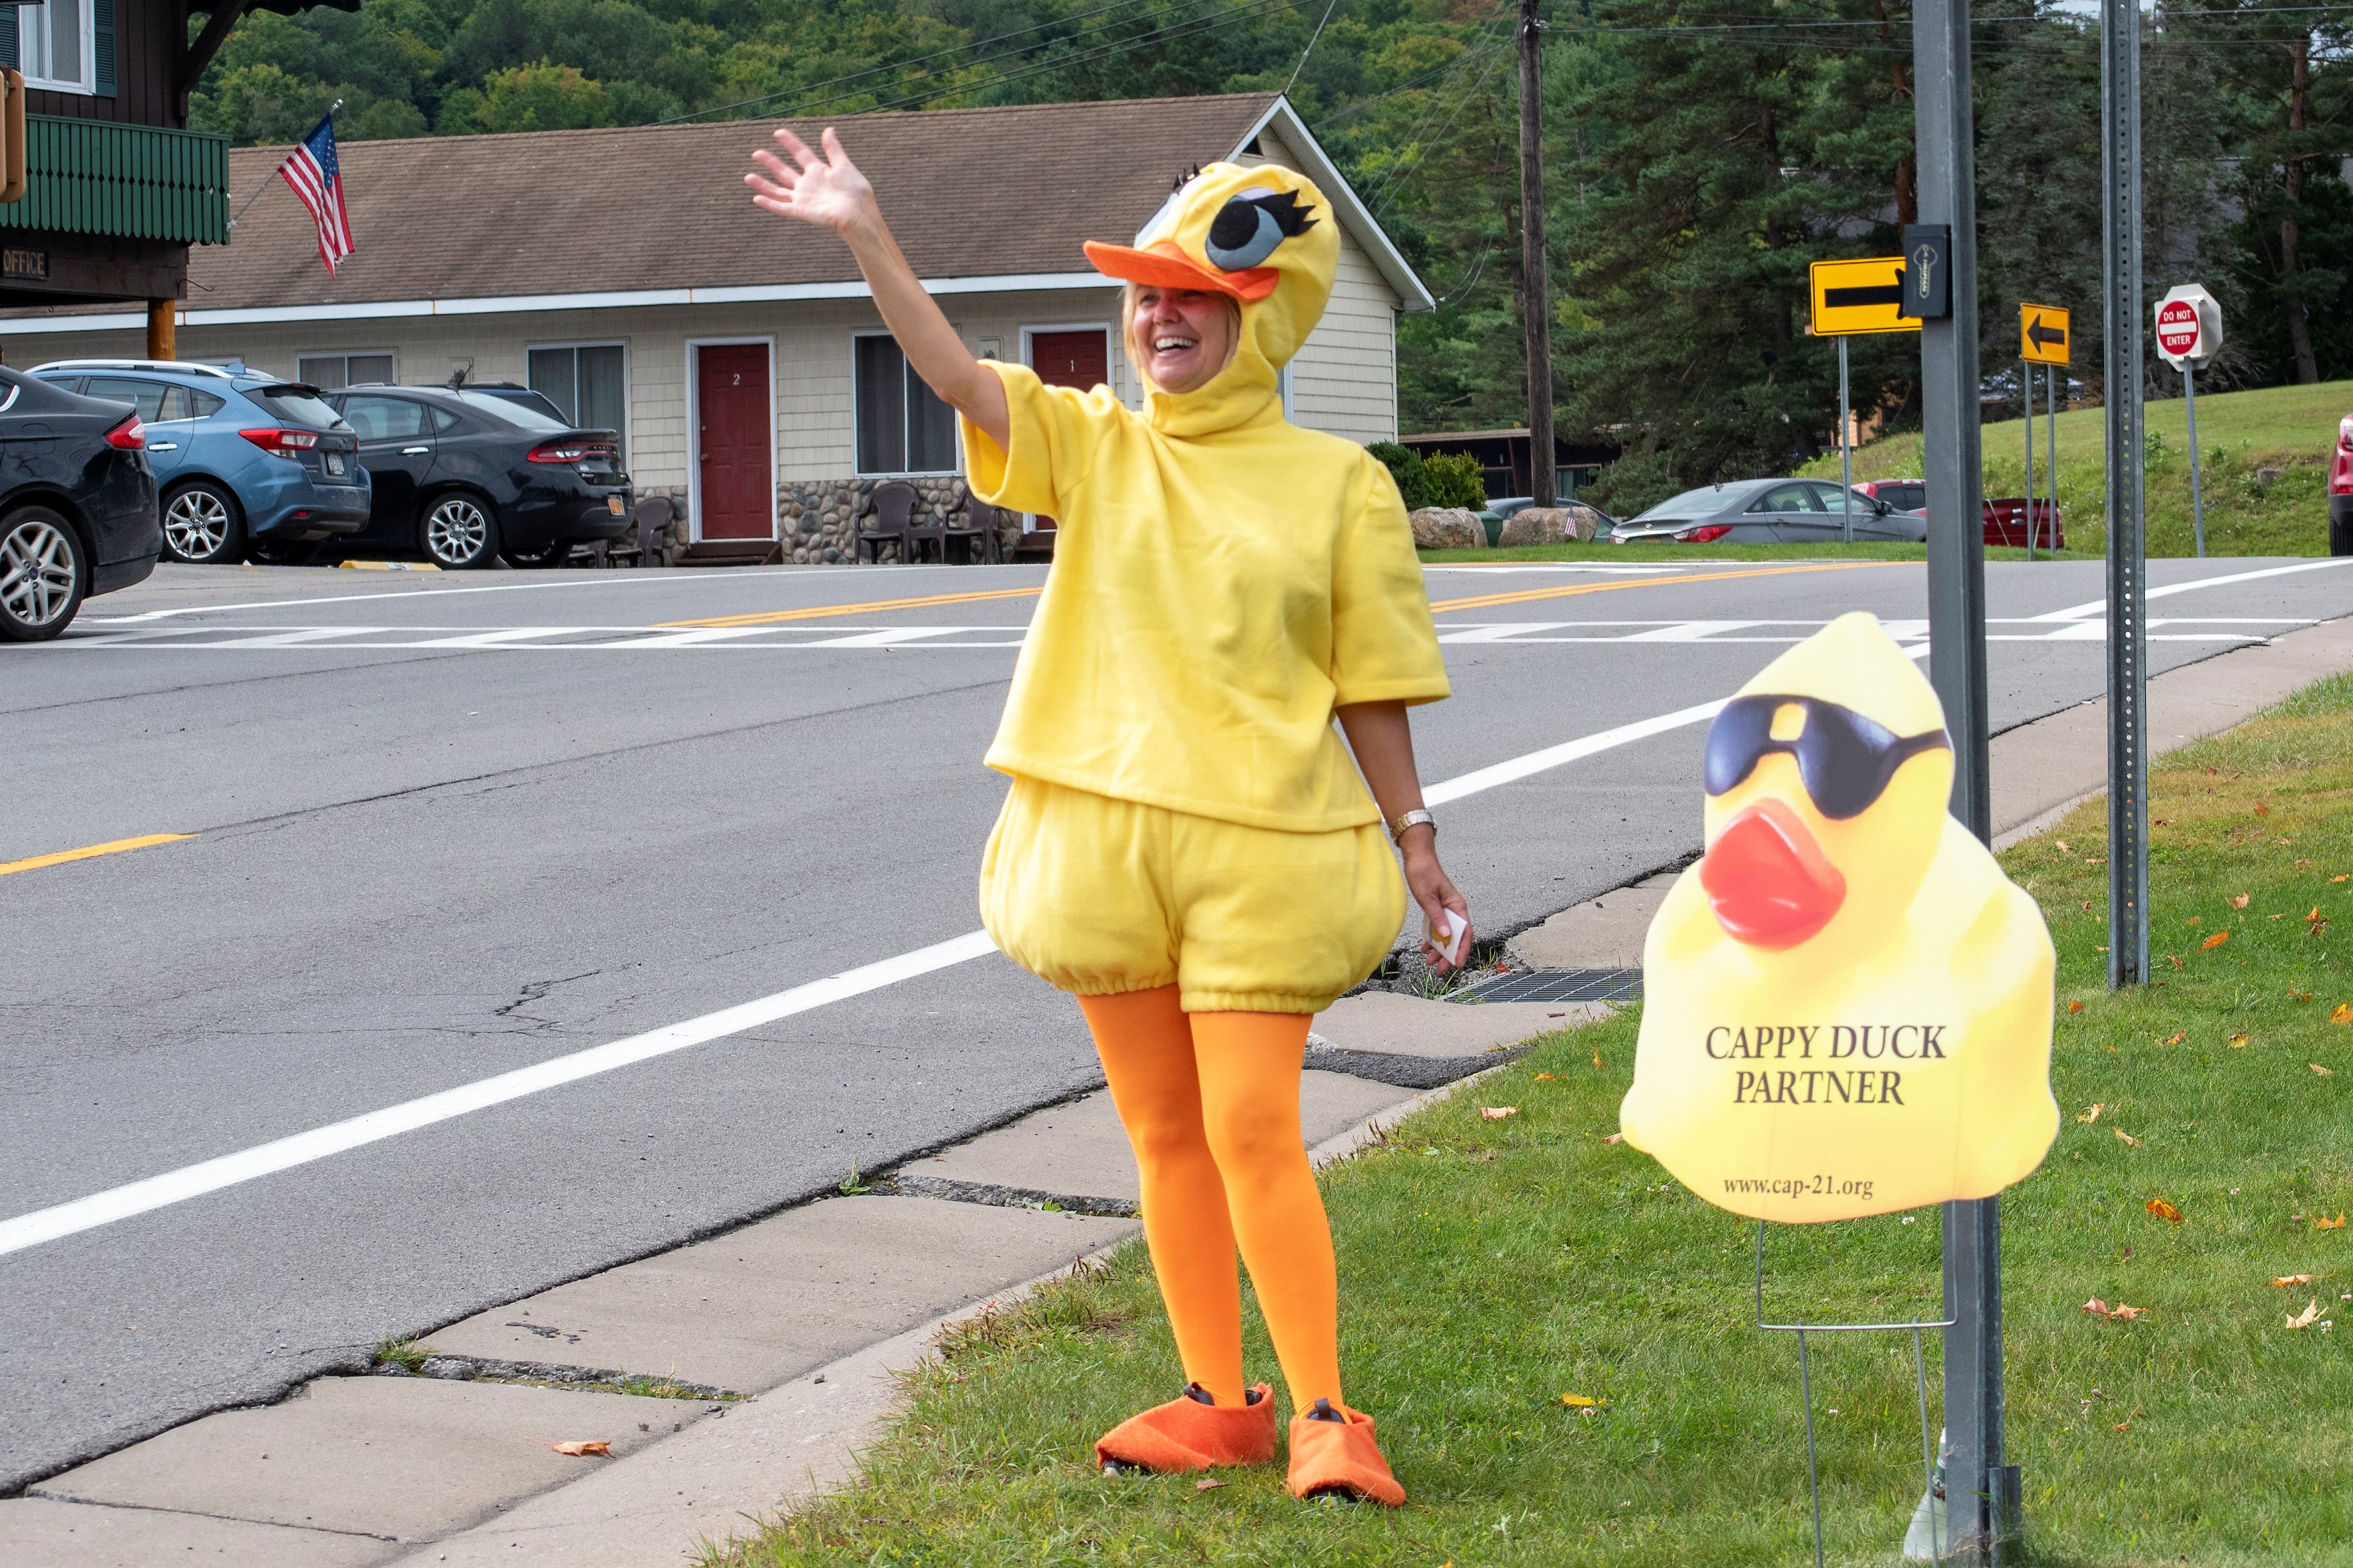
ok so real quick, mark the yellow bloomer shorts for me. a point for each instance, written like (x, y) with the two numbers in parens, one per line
(1099, 895)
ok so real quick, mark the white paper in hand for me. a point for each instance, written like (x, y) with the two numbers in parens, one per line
(1450, 945)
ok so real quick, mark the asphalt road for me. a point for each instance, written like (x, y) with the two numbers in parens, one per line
(445, 827)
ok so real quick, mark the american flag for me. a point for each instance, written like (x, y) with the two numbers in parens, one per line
(318, 184)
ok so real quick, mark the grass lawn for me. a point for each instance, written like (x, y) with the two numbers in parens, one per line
(1489, 1268)
(2291, 428)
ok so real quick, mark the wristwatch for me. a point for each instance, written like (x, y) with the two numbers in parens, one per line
(1411, 819)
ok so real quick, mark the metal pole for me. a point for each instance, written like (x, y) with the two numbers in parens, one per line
(1846, 449)
(2196, 489)
(2052, 375)
(2128, 587)
(1949, 374)
(2026, 387)
(1535, 293)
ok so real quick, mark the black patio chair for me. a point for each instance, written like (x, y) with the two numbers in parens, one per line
(894, 512)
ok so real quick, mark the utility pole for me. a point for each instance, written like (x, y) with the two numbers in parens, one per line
(1980, 1491)
(1535, 295)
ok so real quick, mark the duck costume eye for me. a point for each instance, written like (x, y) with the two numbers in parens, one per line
(1251, 224)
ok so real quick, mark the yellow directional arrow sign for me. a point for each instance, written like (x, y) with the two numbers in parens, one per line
(2042, 334)
(1853, 297)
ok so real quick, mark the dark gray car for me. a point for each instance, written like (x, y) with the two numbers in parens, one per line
(1769, 511)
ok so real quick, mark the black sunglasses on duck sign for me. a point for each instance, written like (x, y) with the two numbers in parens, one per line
(1845, 759)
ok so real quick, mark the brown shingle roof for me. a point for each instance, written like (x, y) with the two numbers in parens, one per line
(969, 191)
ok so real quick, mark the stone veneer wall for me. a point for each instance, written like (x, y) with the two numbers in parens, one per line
(818, 521)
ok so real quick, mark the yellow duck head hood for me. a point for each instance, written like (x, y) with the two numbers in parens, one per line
(1828, 778)
(1266, 237)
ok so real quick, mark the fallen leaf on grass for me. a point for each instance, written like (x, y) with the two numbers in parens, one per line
(2324, 1072)
(2092, 1115)
(2261, 810)
(2333, 880)
(2165, 1211)
(2217, 939)
(2295, 995)
(2237, 900)
(2178, 1037)
(1546, 1078)
(1207, 1484)
(2296, 1280)
(577, 1449)
(2342, 1015)
(2315, 923)
(2173, 961)
(2117, 1313)
(1615, 1138)
(1497, 1112)
(2322, 1222)
(2126, 1138)
(2238, 1042)
(2065, 845)
(2309, 1316)
(1597, 1056)
(2074, 1006)
(1580, 1402)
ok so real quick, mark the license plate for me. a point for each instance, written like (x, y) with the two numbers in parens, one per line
(336, 463)
(613, 505)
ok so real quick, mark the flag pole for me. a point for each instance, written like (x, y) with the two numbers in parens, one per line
(273, 174)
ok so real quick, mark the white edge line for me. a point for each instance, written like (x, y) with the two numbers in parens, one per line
(598, 580)
(302, 1148)
(228, 1170)
(2100, 606)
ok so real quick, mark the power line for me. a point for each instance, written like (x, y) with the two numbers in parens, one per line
(1309, 49)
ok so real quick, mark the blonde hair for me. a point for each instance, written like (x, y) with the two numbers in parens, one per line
(1127, 324)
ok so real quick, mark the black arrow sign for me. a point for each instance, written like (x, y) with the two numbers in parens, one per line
(2041, 336)
(1877, 294)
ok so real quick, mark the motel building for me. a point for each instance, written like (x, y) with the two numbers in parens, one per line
(625, 274)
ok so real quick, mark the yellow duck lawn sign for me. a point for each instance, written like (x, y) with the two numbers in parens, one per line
(1848, 1006)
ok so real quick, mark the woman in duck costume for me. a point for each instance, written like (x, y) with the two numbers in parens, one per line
(1848, 1006)
(1186, 846)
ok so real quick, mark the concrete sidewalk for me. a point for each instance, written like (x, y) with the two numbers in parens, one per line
(730, 1378)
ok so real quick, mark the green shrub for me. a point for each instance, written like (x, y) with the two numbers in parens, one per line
(1455, 480)
(1404, 464)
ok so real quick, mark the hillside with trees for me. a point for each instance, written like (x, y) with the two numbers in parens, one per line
(1699, 155)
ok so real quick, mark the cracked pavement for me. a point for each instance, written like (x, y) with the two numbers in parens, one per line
(415, 871)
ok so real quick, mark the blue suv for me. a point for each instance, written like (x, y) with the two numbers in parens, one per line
(245, 463)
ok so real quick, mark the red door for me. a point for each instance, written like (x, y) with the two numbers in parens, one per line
(1080, 358)
(731, 405)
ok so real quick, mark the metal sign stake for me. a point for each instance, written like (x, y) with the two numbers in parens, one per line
(2026, 395)
(1846, 451)
(2120, 156)
(2196, 489)
(2051, 442)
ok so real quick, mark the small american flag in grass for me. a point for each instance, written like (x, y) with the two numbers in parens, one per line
(318, 184)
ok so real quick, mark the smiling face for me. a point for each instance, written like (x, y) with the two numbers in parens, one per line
(1180, 338)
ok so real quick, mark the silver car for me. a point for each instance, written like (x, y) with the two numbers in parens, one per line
(1771, 511)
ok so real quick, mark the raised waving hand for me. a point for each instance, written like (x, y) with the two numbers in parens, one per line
(827, 189)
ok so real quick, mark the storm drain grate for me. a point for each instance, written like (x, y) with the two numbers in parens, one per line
(1554, 986)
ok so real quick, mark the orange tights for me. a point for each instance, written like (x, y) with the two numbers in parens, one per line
(1210, 1101)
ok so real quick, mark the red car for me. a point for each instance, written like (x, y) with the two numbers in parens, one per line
(2005, 517)
(2340, 491)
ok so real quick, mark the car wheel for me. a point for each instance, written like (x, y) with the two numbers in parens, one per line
(203, 525)
(546, 557)
(459, 531)
(42, 574)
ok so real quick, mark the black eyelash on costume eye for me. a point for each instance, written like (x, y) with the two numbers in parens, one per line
(1289, 216)
(1185, 177)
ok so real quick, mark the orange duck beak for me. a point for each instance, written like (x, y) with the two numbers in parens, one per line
(1770, 883)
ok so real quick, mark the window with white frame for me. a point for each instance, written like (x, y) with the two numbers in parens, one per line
(589, 382)
(55, 46)
(902, 427)
(328, 372)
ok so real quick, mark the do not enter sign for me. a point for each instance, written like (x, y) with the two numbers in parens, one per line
(2188, 327)
(2177, 329)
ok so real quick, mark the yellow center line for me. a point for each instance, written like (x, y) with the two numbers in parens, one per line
(90, 852)
(1525, 595)
(828, 612)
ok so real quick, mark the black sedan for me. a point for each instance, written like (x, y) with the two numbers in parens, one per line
(469, 477)
(77, 505)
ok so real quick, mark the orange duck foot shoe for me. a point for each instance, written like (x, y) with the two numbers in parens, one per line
(1193, 1432)
(1332, 1454)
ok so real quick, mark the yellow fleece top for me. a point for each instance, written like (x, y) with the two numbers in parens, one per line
(1222, 580)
